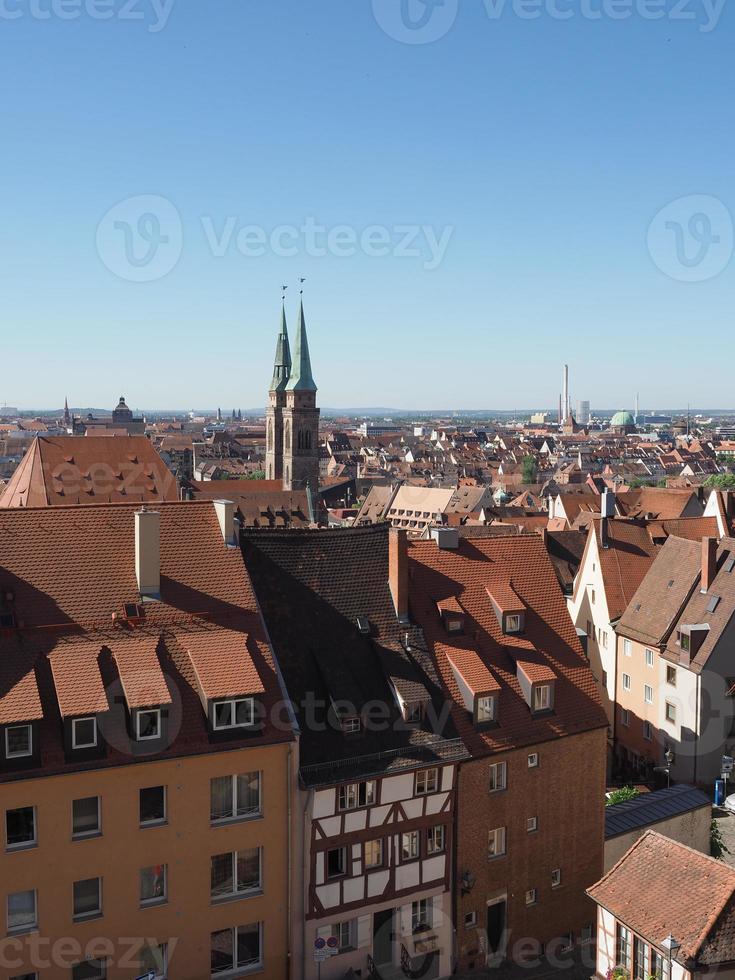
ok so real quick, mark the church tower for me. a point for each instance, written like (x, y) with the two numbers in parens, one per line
(276, 403)
(301, 419)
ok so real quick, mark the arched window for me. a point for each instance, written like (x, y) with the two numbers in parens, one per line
(270, 435)
(288, 435)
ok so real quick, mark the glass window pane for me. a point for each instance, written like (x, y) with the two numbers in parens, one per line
(223, 714)
(85, 815)
(20, 826)
(153, 959)
(222, 882)
(221, 950)
(153, 804)
(153, 883)
(21, 910)
(244, 712)
(248, 869)
(89, 970)
(248, 793)
(221, 798)
(248, 945)
(86, 896)
(18, 740)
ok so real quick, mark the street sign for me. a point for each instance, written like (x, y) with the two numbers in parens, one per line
(319, 943)
(332, 942)
(322, 955)
(728, 763)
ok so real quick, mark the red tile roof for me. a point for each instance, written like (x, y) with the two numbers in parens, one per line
(140, 671)
(77, 680)
(660, 886)
(222, 664)
(19, 697)
(472, 670)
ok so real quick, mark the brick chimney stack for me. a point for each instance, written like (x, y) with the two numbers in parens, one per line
(709, 563)
(398, 571)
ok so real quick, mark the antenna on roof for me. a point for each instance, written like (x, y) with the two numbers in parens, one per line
(301, 283)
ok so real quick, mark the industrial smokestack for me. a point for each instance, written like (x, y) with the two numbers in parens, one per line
(565, 398)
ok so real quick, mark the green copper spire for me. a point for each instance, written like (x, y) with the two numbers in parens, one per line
(282, 364)
(301, 379)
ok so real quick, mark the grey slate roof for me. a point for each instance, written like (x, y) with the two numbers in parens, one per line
(650, 808)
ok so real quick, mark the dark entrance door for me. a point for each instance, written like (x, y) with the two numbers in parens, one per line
(383, 937)
(495, 926)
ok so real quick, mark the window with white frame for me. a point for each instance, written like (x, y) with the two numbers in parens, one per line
(556, 877)
(20, 827)
(427, 781)
(84, 732)
(85, 816)
(627, 647)
(422, 915)
(350, 724)
(236, 948)
(148, 724)
(496, 842)
(626, 682)
(542, 697)
(410, 845)
(336, 862)
(236, 873)
(531, 825)
(18, 741)
(21, 911)
(625, 717)
(234, 713)
(531, 896)
(87, 898)
(235, 797)
(152, 805)
(90, 970)
(373, 853)
(512, 623)
(532, 760)
(671, 675)
(153, 961)
(470, 920)
(487, 708)
(346, 934)
(354, 795)
(153, 884)
(435, 839)
(670, 713)
(649, 657)
(497, 777)
(648, 694)
(623, 946)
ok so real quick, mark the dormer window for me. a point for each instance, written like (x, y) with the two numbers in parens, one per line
(452, 614)
(350, 724)
(18, 741)
(233, 713)
(147, 724)
(513, 623)
(486, 710)
(84, 732)
(542, 699)
(537, 682)
(413, 713)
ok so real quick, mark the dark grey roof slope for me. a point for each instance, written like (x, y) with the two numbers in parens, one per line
(650, 808)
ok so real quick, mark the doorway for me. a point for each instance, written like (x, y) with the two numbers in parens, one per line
(383, 937)
(496, 927)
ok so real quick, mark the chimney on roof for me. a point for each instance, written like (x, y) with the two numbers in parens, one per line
(445, 537)
(607, 503)
(398, 571)
(225, 510)
(148, 552)
(709, 563)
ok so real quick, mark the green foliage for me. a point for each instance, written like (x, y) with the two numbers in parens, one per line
(721, 481)
(256, 475)
(638, 481)
(529, 469)
(621, 795)
(717, 847)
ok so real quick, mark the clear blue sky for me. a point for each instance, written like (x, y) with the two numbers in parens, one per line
(546, 146)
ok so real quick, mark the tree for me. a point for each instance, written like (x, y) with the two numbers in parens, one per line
(638, 481)
(621, 795)
(256, 475)
(529, 469)
(721, 481)
(717, 847)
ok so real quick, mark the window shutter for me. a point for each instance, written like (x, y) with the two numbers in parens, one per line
(405, 920)
(438, 903)
(324, 932)
(363, 931)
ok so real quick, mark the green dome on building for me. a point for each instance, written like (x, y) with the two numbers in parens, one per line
(621, 419)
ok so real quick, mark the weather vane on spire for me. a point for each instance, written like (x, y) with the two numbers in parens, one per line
(301, 283)
(283, 293)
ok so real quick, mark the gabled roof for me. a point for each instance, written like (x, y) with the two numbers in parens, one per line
(625, 558)
(660, 887)
(63, 470)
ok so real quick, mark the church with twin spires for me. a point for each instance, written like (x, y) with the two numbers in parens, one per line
(292, 418)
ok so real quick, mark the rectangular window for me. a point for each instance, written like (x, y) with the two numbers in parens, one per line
(498, 774)
(409, 845)
(532, 760)
(18, 741)
(648, 694)
(627, 648)
(83, 733)
(236, 873)
(350, 724)
(234, 713)
(647, 731)
(148, 724)
(541, 697)
(470, 920)
(355, 795)
(85, 816)
(235, 797)
(531, 896)
(622, 946)
(422, 917)
(671, 676)
(87, 898)
(345, 933)
(90, 970)
(657, 964)
(625, 717)
(626, 682)
(512, 623)
(649, 658)
(427, 781)
(21, 911)
(640, 959)
(531, 824)
(154, 961)
(486, 709)
(586, 935)
(670, 713)
(496, 842)
(20, 827)
(684, 641)
(152, 805)
(373, 853)
(556, 877)
(336, 862)
(153, 884)
(235, 949)
(435, 839)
